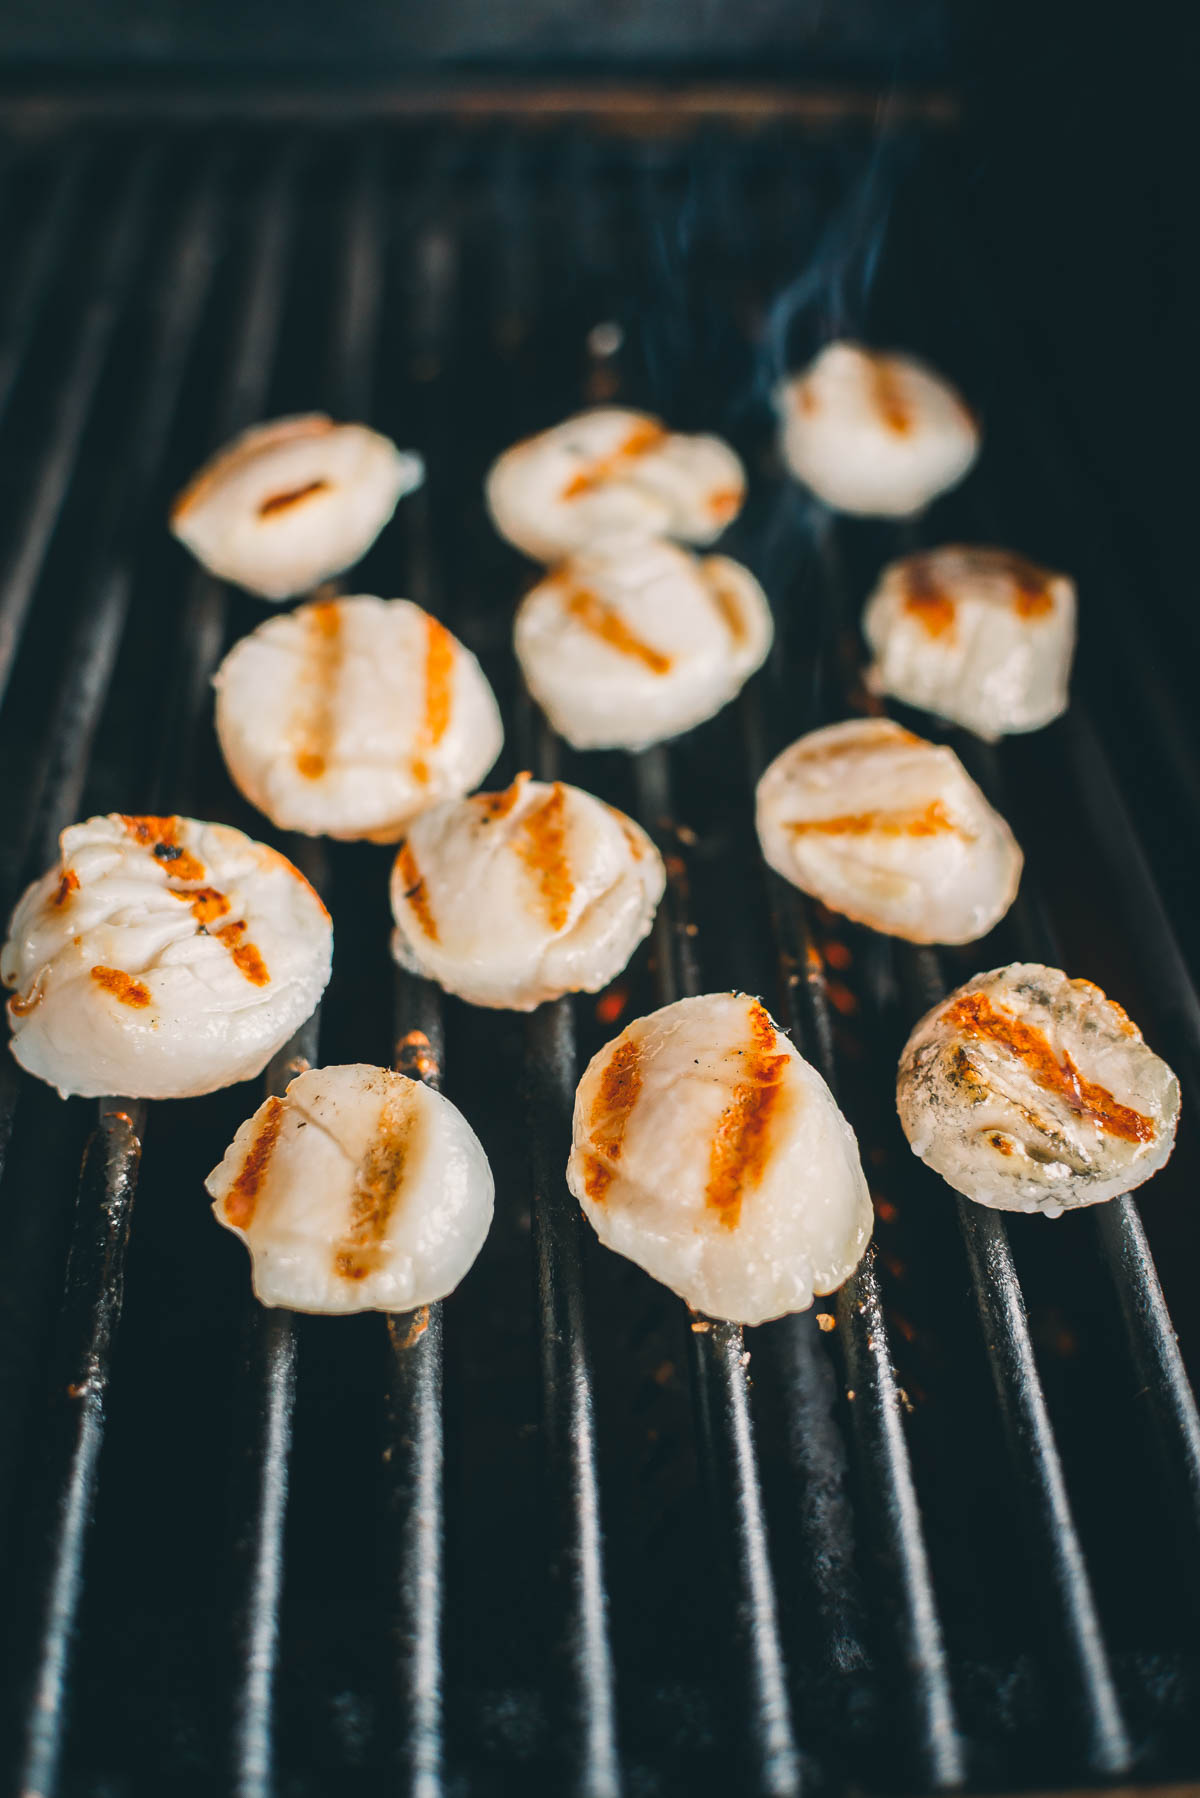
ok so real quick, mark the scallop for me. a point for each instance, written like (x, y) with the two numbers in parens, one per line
(979, 636)
(636, 641)
(612, 472)
(347, 717)
(160, 958)
(572, 886)
(288, 504)
(708, 1151)
(876, 434)
(1029, 1091)
(888, 830)
(359, 1190)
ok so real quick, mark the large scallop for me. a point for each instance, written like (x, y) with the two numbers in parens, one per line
(1028, 1091)
(572, 886)
(708, 1151)
(347, 717)
(358, 1190)
(161, 957)
(874, 433)
(290, 503)
(977, 635)
(612, 472)
(636, 641)
(888, 830)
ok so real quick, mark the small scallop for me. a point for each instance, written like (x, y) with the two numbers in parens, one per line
(636, 641)
(888, 830)
(160, 958)
(1028, 1091)
(880, 435)
(359, 1190)
(979, 636)
(288, 504)
(708, 1151)
(571, 889)
(611, 471)
(347, 717)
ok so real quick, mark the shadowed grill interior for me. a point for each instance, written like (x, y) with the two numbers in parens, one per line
(557, 1534)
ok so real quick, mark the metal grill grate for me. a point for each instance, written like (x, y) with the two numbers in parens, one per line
(578, 1544)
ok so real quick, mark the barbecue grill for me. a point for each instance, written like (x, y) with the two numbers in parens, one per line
(557, 1534)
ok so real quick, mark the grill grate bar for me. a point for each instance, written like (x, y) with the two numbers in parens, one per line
(34, 271)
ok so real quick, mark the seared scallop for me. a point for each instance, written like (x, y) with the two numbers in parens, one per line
(980, 636)
(289, 503)
(874, 433)
(611, 471)
(889, 830)
(347, 717)
(636, 641)
(359, 1190)
(1028, 1091)
(708, 1151)
(571, 888)
(161, 957)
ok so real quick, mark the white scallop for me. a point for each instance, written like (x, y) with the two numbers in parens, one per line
(290, 503)
(1028, 1091)
(571, 889)
(359, 1190)
(347, 717)
(889, 830)
(160, 958)
(708, 1151)
(980, 636)
(612, 471)
(875, 434)
(633, 642)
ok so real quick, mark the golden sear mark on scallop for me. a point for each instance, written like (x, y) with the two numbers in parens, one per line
(247, 449)
(123, 987)
(241, 1201)
(542, 846)
(161, 837)
(22, 1004)
(931, 821)
(729, 605)
(324, 653)
(620, 1089)
(276, 503)
(926, 601)
(378, 1182)
(606, 623)
(647, 435)
(975, 1016)
(495, 806)
(440, 650)
(723, 502)
(415, 890)
(889, 396)
(741, 1146)
(207, 905)
(67, 885)
(246, 957)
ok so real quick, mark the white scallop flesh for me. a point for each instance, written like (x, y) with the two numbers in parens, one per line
(979, 636)
(888, 830)
(708, 1151)
(359, 1190)
(160, 958)
(634, 642)
(612, 472)
(1028, 1091)
(571, 889)
(347, 717)
(288, 504)
(875, 434)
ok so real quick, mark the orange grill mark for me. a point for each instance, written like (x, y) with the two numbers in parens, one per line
(1001, 1143)
(67, 885)
(207, 905)
(620, 1085)
(1033, 599)
(647, 435)
(926, 601)
(933, 821)
(542, 846)
(634, 838)
(415, 890)
(21, 1004)
(975, 1015)
(887, 389)
(242, 1199)
(724, 502)
(246, 957)
(730, 609)
(377, 1185)
(324, 650)
(439, 693)
(498, 805)
(246, 448)
(605, 622)
(122, 986)
(283, 502)
(161, 837)
(741, 1145)
(415, 1330)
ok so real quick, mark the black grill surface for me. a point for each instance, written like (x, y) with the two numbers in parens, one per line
(559, 1536)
